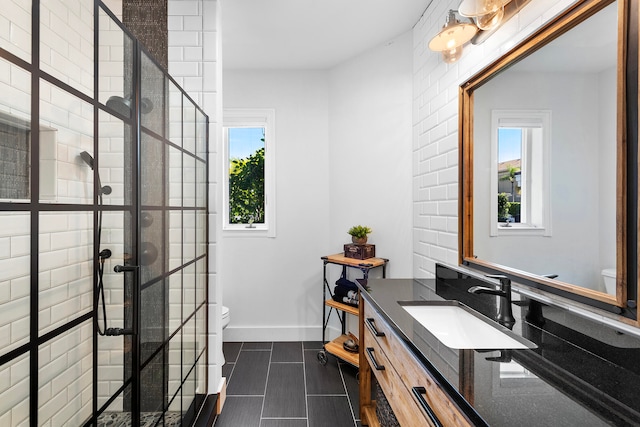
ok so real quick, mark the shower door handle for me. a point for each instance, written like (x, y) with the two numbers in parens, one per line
(125, 268)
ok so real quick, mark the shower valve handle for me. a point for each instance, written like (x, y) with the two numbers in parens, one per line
(124, 268)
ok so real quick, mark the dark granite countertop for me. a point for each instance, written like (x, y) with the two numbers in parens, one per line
(582, 373)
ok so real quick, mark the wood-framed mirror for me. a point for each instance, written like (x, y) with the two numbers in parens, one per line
(548, 159)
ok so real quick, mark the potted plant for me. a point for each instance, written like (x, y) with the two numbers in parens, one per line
(359, 234)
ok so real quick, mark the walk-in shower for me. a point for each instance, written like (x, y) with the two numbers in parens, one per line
(103, 206)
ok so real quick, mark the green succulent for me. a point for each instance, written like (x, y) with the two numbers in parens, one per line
(359, 231)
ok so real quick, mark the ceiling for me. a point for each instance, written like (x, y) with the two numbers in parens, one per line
(309, 34)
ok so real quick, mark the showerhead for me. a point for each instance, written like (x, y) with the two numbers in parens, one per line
(120, 105)
(123, 105)
(87, 158)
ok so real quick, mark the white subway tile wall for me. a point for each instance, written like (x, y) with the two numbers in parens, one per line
(15, 28)
(15, 87)
(72, 120)
(188, 389)
(175, 239)
(201, 235)
(189, 126)
(175, 114)
(14, 280)
(175, 371)
(188, 236)
(14, 392)
(111, 350)
(111, 137)
(201, 135)
(188, 180)
(175, 302)
(65, 268)
(65, 368)
(201, 323)
(66, 42)
(175, 177)
(111, 56)
(188, 293)
(435, 125)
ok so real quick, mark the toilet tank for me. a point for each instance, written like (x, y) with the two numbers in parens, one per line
(609, 276)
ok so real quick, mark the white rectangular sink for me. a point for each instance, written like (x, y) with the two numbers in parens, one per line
(460, 327)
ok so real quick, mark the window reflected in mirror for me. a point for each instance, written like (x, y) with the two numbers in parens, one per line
(520, 171)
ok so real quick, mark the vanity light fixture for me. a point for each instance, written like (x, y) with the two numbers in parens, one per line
(488, 14)
(452, 37)
(480, 19)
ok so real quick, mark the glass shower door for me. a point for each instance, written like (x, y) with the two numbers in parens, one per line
(153, 148)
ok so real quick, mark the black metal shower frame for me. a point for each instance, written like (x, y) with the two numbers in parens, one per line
(34, 207)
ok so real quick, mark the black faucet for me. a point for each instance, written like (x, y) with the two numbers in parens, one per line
(505, 315)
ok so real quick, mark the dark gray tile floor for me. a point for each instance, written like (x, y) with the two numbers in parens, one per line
(282, 384)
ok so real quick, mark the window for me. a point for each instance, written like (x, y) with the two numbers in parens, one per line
(249, 173)
(520, 150)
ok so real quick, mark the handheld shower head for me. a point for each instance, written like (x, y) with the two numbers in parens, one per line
(87, 158)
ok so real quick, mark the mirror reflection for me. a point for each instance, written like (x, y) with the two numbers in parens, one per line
(544, 159)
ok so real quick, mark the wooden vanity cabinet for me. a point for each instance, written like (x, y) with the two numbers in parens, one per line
(414, 396)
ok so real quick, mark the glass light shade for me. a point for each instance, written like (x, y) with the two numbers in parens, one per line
(452, 35)
(491, 20)
(452, 55)
(475, 8)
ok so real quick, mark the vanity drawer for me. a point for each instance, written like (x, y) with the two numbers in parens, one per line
(404, 406)
(378, 328)
(418, 382)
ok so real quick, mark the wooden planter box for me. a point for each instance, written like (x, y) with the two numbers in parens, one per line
(359, 251)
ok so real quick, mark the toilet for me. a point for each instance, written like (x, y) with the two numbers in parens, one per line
(226, 318)
(609, 276)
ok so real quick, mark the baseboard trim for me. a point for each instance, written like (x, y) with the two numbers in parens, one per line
(276, 333)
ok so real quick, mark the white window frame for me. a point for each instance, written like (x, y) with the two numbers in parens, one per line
(242, 117)
(536, 221)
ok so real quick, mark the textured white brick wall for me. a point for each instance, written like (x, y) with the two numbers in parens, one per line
(14, 280)
(65, 378)
(72, 120)
(111, 349)
(14, 392)
(15, 85)
(435, 125)
(111, 58)
(66, 268)
(15, 28)
(66, 41)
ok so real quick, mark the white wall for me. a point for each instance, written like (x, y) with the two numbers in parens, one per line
(370, 151)
(272, 285)
(435, 125)
(343, 141)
